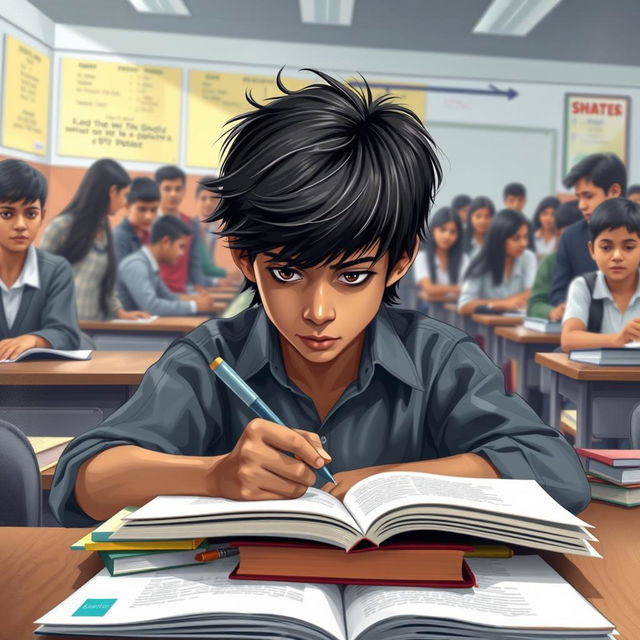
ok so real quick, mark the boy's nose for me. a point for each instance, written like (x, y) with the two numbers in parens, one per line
(319, 309)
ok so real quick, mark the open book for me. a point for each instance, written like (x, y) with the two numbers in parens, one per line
(521, 597)
(42, 353)
(136, 320)
(375, 509)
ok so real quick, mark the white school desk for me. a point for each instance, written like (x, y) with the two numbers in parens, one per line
(485, 325)
(604, 396)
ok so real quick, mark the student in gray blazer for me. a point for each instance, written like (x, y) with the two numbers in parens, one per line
(139, 282)
(37, 304)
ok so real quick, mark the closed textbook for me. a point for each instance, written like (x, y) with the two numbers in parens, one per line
(48, 449)
(542, 325)
(629, 356)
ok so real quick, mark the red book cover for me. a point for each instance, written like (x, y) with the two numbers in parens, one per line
(613, 457)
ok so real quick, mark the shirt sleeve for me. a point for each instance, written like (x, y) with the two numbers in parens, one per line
(471, 290)
(562, 272)
(175, 410)
(55, 233)
(578, 301)
(196, 275)
(538, 305)
(530, 265)
(470, 412)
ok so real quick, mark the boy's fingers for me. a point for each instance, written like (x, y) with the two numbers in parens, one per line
(290, 470)
(289, 440)
(314, 440)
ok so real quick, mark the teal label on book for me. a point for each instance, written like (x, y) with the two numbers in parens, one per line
(95, 607)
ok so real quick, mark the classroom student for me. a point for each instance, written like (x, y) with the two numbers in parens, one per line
(603, 307)
(139, 282)
(205, 205)
(322, 237)
(539, 304)
(141, 206)
(501, 274)
(460, 204)
(186, 274)
(514, 196)
(37, 305)
(481, 211)
(544, 226)
(81, 233)
(633, 193)
(595, 179)
(441, 261)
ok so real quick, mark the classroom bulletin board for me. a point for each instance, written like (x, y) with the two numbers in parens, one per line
(595, 124)
(119, 110)
(26, 97)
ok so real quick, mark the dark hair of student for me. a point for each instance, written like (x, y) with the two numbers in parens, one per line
(550, 202)
(480, 202)
(614, 213)
(490, 258)
(440, 217)
(20, 181)
(200, 186)
(516, 189)
(567, 214)
(89, 208)
(460, 201)
(634, 188)
(169, 227)
(603, 169)
(170, 172)
(144, 189)
(326, 172)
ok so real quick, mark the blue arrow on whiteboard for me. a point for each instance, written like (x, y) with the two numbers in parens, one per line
(510, 93)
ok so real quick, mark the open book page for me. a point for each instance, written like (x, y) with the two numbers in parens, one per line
(203, 590)
(45, 353)
(513, 593)
(137, 320)
(372, 497)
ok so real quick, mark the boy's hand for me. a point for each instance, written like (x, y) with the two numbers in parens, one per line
(555, 315)
(630, 333)
(257, 468)
(204, 302)
(346, 479)
(12, 347)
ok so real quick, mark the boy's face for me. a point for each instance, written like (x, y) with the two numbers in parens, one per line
(171, 194)
(141, 214)
(206, 202)
(617, 253)
(590, 196)
(515, 202)
(19, 224)
(172, 250)
(515, 245)
(320, 311)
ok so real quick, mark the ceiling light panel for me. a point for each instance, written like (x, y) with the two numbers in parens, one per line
(514, 17)
(164, 7)
(327, 12)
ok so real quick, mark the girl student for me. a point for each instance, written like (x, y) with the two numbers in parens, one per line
(545, 234)
(441, 261)
(481, 211)
(81, 233)
(501, 274)
(460, 204)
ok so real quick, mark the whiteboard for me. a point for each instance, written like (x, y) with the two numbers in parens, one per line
(481, 160)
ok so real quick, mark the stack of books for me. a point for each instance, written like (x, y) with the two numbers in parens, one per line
(542, 325)
(48, 449)
(614, 475)
(627, 356)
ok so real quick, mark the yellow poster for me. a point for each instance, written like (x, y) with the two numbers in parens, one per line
(595, 124)
(26, 91)
(213, 99)
(118, 110)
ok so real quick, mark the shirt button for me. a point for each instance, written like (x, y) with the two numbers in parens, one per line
(323, 439)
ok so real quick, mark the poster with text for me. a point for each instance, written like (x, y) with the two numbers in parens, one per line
(26, 91)
(595, 124)
(118, 110)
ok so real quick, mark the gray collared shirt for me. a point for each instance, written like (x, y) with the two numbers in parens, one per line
(424, 390)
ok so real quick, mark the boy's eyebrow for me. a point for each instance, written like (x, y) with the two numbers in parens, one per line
(352, 263)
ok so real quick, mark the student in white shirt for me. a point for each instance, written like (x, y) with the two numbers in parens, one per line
(501, 274)
(615, 247)
(481, 211)
(545, 234)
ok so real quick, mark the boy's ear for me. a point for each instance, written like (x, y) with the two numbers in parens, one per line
(241, 259)
(590, 247)
(615, 191)
(402, 266)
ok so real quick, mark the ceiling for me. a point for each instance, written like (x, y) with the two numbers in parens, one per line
(595, 31)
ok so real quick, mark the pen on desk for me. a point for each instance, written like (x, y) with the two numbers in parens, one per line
(226, 373)
(215, 554)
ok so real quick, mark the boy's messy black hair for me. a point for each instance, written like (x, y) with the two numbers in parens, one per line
(515, 189)
(144, 189)
(326, 172)
(200, 186)
(567, 214)
(603, 169)
(170, 172)
(634, 188)
(169, 227)
(20, 181)
(614, 213)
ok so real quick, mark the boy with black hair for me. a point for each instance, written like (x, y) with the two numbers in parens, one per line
(139, 282)
(515, 196)
(143, 200)
(603, 307)
(633, 193)
(187, 272)
(37, 303)
(595, 179)
(323, 222)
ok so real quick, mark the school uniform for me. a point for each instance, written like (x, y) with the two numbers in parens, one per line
(538, 305)
(126, 240)
(522, 276)
(421, 269)
(613, 320)
(542, 247)
(406, 404)
(41, 302)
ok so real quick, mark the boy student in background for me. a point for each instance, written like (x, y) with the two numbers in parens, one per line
(501, 274)
(481, 211)
(322, 237)
(633, 193)
(205, 205)
(514, 196)
(139, 282)
(539, 305)
(544, 226)
(37, 305)
(141, 205)
(460, 204)
(81, 233)
(187, 272)
(603, 307)
(595, 179)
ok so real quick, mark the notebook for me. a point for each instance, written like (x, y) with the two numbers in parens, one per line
(542, 325)
(42, 353)
(48, 449)
(629, 355)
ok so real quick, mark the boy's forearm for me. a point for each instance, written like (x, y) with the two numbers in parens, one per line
(467, 465)
(128, 475)
(587, 340)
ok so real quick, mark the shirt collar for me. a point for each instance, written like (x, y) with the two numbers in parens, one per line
(151, 258)
(30, 274)
(601, 289)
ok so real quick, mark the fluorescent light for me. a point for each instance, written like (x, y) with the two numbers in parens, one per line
(329, 12)
(513, 17)
(165, 7)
